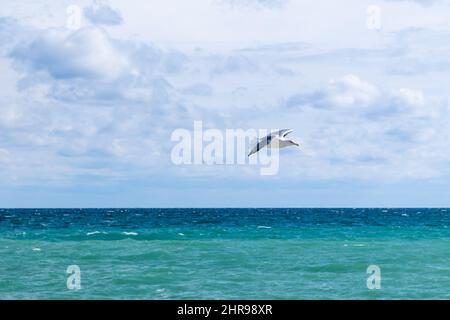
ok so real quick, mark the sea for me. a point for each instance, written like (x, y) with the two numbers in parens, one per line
(270, 253)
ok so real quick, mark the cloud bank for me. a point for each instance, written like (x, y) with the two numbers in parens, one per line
(94, 105)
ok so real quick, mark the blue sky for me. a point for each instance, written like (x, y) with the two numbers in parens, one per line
(86, 113)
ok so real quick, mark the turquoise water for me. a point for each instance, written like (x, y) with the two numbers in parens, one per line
(225, 253)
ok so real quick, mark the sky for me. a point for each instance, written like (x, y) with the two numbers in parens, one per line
(91, 92)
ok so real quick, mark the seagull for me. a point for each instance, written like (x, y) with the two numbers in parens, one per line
(274, 140)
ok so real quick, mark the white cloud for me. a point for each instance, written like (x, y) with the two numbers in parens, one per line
(87, 105)
(351, 91)
(86, 53)
(257, 3)
(421, 2)
(411, 97)
(102, 14)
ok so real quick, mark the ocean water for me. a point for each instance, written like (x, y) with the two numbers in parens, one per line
(225, 253)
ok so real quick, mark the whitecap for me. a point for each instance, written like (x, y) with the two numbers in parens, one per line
(359, 245)
(36, 249)
(405, 215)
(130, 233)
(181, 234)
(96, 232)
(264, 227)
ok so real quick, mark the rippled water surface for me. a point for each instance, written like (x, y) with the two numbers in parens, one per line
(224, 253)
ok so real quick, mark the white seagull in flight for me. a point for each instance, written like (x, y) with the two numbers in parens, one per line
(274, 140)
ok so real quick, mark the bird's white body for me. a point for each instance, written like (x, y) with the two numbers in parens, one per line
(279, 143)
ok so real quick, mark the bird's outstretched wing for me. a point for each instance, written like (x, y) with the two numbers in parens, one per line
(282, 133)
(261, 144)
